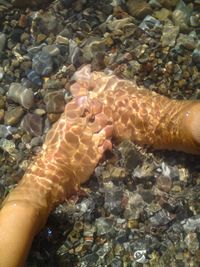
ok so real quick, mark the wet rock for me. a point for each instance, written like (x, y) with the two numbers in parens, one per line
(34, 77)
(32, 124)
(138, 9)
(93, 46)
(103, 225)
(180, 20)
(161, 218)
(42, 64)
(192, 242)
(55, 102)
(149, 23)
(118, 24)
(75, 53)
(8, 146)
(45, 23)
(191, 224)
(195, 20)
(13, 115)
(162, 14)
(164, 183)
(51, 50)
(2, 42)
(131, 158)
(20, 94)
(36, 141)
(133, 205)
(52, 84)
(28, 3)
(196, 57)
(2, 112)
(6, 131)
(113, 198)
(187, 41)
(169, 35)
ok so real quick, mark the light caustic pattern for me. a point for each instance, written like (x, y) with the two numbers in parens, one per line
(141, 115)
(103, 107)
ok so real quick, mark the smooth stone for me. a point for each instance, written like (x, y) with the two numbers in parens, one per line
(180, 19)
(2, 112)
(41, 38)
(138, 9)
(39, 111)
(34, 78)
(162, 14)
(6, 131)
(8, 146)
(164, 183)
(22, 95)
(187, 41)
(13, 115)
(27, 3)
(34, 50)
(62, 40)
(169, 35)
(33, 124)
(75, 53)
(55, 102)
(42, 64)
(149, 23)
(2, 41)
(36, 141)
(52, 84)
(51, 50)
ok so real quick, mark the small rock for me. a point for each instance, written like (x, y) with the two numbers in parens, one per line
(42, 64)
(8, 146)
(32, 124)
(51, 50)
(164, 183)
(20, 94)
(2, 41)
(22, 21)
(169, 35)
(6, 131)
(138, 9)
(55, 102)
(34, 78)
(162, 14)
(192, 242)
(13, 115)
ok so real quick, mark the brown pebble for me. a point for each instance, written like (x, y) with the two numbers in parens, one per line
(53, 117)
(22, 21)
(164, 183)
(1, 115)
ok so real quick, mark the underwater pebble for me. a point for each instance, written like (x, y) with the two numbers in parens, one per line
(2, 41)
(6, 131)
(169, 34)
(34, 77)
(42, 64)
(138, 9)
(13, 115)
(8, 146)
(20, 94)
(32, 124)
(55, 101)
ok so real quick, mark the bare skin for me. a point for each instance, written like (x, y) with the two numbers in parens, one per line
(104, 107)
(83, 134)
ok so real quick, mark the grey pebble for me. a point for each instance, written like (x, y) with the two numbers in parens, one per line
(32, 124)
(2, 41)
(21, 95)
(42, 64)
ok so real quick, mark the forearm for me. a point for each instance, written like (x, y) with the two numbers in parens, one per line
(20, 221)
